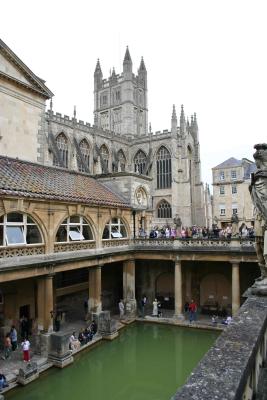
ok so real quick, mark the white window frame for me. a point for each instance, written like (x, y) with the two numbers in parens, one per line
(222, 210)
(222, 190)
(234, 187)
(222, 175)
(23, 228)
(115, 225)
(234, 209)
(233, 175)
(76, 227)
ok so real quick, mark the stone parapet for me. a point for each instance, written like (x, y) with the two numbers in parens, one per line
(231, 368)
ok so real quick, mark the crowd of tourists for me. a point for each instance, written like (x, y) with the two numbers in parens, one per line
(84, 336)
(197, 232)
(11, 341)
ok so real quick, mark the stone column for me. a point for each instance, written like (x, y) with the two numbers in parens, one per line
(40, 303)
(48, 303)
(178, 302)
(235, 288)
(129, 287)
(95, 303)
(188, 278)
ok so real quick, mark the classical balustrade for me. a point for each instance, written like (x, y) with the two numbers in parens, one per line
(115, 242)
(74, 246)
(138, 243)
(28, 250)
(195, 243)
(232, 367)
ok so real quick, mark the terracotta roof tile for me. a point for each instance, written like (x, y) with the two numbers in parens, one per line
(22, 178)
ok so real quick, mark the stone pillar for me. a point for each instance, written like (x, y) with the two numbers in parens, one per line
(235, 288)
(188, 284)
(95, 303)
(40, 303)
(48, 303)
(129, 287)
(178, 302)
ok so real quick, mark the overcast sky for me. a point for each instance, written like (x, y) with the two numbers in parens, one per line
(208, 55)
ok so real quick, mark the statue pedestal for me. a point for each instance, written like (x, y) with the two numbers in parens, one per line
(60, 354)
(259, 288)
(28, 373)
(107, 327)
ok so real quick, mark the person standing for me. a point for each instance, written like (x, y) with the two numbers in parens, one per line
(26, 350)
(121, 309)
(155, 308)
(14, 338)
(192, 311)
(7, 346)
(143, 305)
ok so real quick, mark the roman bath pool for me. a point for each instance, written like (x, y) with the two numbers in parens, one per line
(146, 362)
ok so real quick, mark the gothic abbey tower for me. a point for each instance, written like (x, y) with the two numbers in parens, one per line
(157, 173)
(121, 100)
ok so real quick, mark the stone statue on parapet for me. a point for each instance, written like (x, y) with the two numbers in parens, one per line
(258, 191)
(177, 221)
(234, 222)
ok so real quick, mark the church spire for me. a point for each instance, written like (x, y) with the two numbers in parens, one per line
(174, 121)
(142, 74)
(98, 76)
(142, 66)
(127, 62)
(182, 122)
(98, 68)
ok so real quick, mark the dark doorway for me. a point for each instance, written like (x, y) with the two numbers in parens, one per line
(24, 311)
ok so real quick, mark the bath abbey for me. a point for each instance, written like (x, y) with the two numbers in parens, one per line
(92, 215)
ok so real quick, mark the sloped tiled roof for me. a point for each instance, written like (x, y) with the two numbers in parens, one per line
(231, 162)
(26, 179)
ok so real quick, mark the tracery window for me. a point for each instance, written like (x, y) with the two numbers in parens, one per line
(85, 150)
(140, 162)
(164, 210)
(62, 145)
(114, 229)
(74, 228)
(164, 168)
(18, 229)
(122, 160)
(105, 155)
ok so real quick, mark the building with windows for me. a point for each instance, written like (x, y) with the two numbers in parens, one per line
(158, 173)
(73, 197)
(231, 180)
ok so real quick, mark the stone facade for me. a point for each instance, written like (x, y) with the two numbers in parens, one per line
(231, 180)
(22, 105)
(158, 171)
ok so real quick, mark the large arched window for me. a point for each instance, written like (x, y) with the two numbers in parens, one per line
(105, 155)
(85, 151)
(62, 145)
(18, 229)
(114, 229)
(74, 228)
(164, 168)
(140, 162)
(122, 160)
(164, 210)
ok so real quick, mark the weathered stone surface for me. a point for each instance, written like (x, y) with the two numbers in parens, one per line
(60, 354)
(262, 387)
(258, 190)
(223, 372)
(107, 327)
(28, 373)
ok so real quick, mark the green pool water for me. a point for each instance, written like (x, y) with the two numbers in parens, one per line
(146, 362)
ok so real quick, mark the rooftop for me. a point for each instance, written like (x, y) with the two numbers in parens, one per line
(26, 179)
